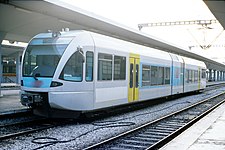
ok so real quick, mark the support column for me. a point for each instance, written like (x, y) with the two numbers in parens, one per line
(214, 75)
(218, 75)
(2, 36)
(223, 75)
(210, 74)
(18, 67)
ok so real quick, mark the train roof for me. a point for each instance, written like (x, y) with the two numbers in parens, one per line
(124, 46)
(104, 41)
(194, 62)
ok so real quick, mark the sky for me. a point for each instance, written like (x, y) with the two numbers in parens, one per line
(133, 12)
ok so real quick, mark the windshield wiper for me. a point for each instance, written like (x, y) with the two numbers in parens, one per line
(36, 74)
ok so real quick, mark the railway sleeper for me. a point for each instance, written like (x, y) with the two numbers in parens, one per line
(169, 126)
(136, 142)
(176, 122)
(132, 146)
(117, 148)
(168, 123)
(149, 139)
(194, 112)
(151, 136)
(178, 119)
(185, 117)
(164, 129)
(158, 131)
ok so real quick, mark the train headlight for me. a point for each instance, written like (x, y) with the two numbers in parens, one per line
(55, 84)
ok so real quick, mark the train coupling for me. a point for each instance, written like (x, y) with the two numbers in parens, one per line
(31, 99)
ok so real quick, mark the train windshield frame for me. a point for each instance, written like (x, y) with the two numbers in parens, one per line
(43, 55)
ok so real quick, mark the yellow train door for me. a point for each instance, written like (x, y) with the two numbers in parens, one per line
(199, 78)
(133, 90)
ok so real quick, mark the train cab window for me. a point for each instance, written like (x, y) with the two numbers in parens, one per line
(154, 75)
(146, 76)
(167, 75)
(203, 73)
(104, 66)
(119, 68)
(73, 70)
(89, 66)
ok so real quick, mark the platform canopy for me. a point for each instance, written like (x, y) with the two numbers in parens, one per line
(21, 20)
(217, 7)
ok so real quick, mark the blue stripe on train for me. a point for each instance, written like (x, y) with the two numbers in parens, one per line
(40, 83)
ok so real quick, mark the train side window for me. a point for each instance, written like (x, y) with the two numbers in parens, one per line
(137, 76)
(119, 68)
(146, 76)
(195, 76)
(104, 66)
(160, 76)
(89, 66)
(131, 75)
(191, 76)
(187, 76)
(154, 75)
(167, 75)
(73, 70)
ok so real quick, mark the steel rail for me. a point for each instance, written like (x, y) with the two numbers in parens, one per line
(159, 131)
(21, 128)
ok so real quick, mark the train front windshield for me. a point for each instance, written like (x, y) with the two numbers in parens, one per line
(42, 56)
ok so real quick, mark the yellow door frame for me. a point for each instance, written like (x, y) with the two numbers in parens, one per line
(199, 78)
(134, 69)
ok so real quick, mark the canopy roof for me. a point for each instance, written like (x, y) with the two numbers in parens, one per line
(21, 20)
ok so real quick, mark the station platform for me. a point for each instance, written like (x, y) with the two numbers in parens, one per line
(207, 134)
(10, 101)
(9, 85)
(215, 83)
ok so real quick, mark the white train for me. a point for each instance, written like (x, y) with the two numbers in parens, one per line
(77, 71)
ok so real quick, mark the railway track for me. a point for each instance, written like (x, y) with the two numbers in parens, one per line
(213, 87)
(17, 125)
(157, 133)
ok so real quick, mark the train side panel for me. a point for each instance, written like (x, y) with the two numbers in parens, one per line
(155, 75)
(194, 81)
(177, 74)
(110, 89)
